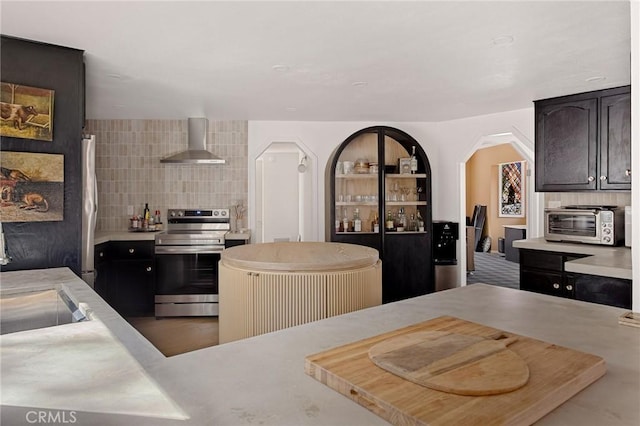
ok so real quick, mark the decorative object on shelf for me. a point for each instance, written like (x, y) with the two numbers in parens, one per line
(27, 112)
(362, 165)
(404, 166)
(511, 189)
(238, 210)
(31, 187)
(347, 167)
(414, 160)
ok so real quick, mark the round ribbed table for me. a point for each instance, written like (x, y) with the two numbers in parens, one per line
(271, 286)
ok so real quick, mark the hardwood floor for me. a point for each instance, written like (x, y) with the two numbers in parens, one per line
(173, 336)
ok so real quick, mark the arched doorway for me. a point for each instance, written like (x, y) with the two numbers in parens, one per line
(534, 203)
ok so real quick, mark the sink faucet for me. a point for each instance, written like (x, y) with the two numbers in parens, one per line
(4, 257)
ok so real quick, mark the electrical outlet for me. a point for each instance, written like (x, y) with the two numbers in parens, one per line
(129, 210)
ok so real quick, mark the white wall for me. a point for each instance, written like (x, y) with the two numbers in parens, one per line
(445, 143)
(635, 150)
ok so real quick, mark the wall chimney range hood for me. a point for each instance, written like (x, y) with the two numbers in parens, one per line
(196, 152)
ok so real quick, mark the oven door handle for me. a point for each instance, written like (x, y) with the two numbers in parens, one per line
(189, 249)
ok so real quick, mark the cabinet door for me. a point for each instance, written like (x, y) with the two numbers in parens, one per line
(544, 282)
(101, 265)
(133, 283)
(615, 142)
(407, 269)
(566, 145)
(603, 290)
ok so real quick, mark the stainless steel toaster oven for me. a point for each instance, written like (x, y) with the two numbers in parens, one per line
(585, 224)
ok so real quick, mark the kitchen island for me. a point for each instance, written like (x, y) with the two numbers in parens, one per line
(271, 286)
(261, 380)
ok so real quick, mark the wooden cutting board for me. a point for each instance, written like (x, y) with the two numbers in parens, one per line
(555, 374)
(453, 362)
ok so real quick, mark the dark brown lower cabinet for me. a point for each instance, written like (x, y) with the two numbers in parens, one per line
(544, 272)
(125, 276)
(551, 283)
(603, 290)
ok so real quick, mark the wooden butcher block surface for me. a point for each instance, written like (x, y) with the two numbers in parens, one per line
(453, 362)
(547, 376)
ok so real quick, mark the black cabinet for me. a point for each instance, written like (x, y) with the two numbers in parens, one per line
(615, 142)
(543, 272)
(125, 278)
(101, 270)
(603, 290)
(583, 141)
(370, 178)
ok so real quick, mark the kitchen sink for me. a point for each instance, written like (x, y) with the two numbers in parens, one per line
(38, 309)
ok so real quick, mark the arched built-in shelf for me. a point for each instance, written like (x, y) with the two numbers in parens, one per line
(406, 255)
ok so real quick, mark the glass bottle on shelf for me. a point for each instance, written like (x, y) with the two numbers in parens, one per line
(402, 220)
(375, 225)
(420, 222)
(357, 223)
(414, 160)
(389, 224)
(338, 222)
(345, 220)
(413, 223)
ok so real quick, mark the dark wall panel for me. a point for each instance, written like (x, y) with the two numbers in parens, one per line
(36, 245)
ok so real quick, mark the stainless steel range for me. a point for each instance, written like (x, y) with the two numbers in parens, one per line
(187, 256)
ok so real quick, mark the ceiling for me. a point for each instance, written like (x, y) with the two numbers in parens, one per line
(331, 61)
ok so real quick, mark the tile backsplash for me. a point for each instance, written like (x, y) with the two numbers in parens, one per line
(590, 198)
(129, 172)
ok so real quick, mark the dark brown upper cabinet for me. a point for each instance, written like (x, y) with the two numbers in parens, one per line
(583, 141)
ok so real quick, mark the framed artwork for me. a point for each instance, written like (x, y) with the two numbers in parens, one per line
(511, 189)
(31, 187)
(404, 166)
(27, 112)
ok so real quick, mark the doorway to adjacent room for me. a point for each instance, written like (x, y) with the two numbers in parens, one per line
(481, 182)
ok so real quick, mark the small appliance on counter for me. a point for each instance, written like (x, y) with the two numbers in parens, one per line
(588, 224)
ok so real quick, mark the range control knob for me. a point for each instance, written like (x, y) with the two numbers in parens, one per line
(172, 213)
(216, 212)
(223, 212)
(180, 213)
(606, 231)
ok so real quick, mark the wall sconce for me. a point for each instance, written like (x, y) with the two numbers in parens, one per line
(302, 167)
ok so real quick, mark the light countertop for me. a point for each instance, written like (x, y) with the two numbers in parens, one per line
(261, 380)
(515, 226)
(104, 236)
(300, 256)
(604, 261)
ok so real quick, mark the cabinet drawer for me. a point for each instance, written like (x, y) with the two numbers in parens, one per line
(549, 283)
(541, 260)
(132, 249)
